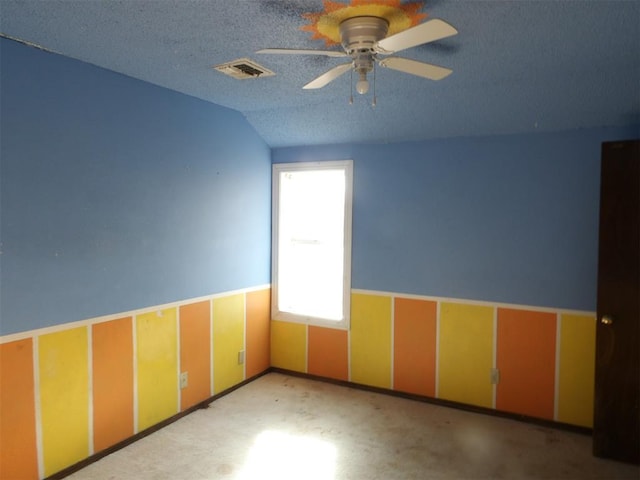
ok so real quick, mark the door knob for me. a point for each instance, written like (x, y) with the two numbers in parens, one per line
(606, 320)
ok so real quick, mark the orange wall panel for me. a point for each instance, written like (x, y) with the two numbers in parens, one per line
(19, 458)
(258, 331)
(195, 352)
(526, 358)
(414, 346)
(328, 353)
(112, 345)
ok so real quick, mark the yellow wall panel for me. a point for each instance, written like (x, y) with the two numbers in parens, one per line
(465, 354)
(64, 397)
(289, 346)
(371, 340)
(228, 341)
(157, 361)
(577, 369)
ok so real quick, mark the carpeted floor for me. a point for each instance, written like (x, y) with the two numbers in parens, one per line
(282, 427)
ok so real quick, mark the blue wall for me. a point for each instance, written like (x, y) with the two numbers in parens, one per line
(507, 218)
(117, 194)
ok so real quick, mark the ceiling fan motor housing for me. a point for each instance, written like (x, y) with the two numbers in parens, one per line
(360, 34)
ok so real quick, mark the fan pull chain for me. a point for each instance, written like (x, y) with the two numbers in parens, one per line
(351, 83)
(374, 101)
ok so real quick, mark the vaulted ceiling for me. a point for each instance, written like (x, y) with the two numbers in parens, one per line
(518, 66)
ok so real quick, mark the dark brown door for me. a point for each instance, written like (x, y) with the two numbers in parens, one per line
(616, 424)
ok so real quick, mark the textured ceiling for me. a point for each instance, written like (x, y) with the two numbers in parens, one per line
(518, 66)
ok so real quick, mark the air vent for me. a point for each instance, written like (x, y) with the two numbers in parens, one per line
(244, 68)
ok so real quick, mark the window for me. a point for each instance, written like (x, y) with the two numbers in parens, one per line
(311, 259)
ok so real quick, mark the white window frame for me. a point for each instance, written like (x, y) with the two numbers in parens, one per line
(276, 313)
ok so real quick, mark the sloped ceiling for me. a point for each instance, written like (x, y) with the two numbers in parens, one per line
(518, 66)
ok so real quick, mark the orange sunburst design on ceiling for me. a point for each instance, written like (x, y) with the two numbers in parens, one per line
(325, 25)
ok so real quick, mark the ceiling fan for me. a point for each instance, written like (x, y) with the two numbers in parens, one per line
(364, 39)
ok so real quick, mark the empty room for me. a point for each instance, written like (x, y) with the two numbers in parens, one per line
(317, 239)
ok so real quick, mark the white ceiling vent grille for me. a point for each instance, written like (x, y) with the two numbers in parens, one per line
(243, 68)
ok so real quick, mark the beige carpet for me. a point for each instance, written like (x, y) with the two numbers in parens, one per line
(281, 427)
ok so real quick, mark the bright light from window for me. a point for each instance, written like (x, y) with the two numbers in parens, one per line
(281, 456)
(312, 241)
(311, 254)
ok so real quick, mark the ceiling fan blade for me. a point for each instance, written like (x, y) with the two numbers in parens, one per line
(329, 76)
(421, 69)
(293, 51)
(426, 32)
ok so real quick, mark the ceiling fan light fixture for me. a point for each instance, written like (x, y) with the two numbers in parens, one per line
(362, 86)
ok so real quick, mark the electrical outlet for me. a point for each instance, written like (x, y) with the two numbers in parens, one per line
(184, 379)
(495, 376)
(240, 357)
